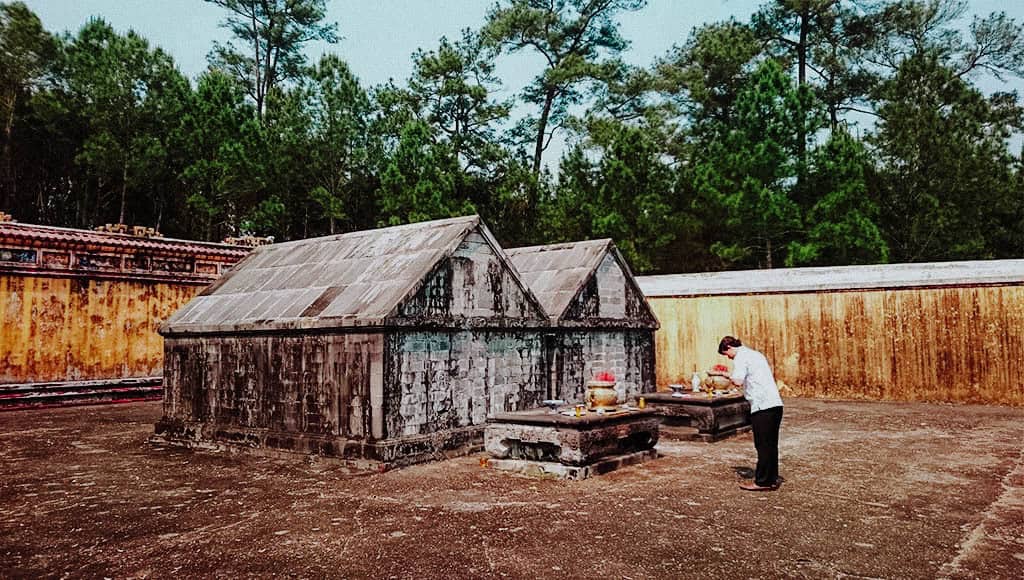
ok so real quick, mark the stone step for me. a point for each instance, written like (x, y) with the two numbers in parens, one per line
(67, 393)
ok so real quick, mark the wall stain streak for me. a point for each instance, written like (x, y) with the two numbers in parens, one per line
(72, 329)
(280, 383)
(950, 344)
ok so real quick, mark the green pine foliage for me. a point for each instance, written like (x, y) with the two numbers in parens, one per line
(579, 41)
(417, 183)
(26, 50)
(749, 170)
(946, 181)
(815, 133)
(842, 224)
(624, 195)
(122, 93)
(217, 128)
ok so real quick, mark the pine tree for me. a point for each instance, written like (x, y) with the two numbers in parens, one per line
(417, 183)
(842, 225)
(750, 171)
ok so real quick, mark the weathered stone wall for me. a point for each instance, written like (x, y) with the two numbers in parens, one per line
(437, 381)
(472, 283)
(609, 298)
(579, 355)
(305, 384)
(393, 397)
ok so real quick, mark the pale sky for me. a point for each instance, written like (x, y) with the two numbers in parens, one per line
(379, 36)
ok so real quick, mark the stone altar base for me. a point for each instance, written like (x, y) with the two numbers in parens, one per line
(699, 417)
(543, 442)
(576, 472)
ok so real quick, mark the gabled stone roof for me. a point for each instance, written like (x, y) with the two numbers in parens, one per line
(353, 279)
(556, 272)
(559, 273)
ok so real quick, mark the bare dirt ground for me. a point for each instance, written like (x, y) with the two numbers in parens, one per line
(873, 490)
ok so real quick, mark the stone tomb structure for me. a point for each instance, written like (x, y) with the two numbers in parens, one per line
(391, 345)
(542, 442)
(599, 318)
(697, 416)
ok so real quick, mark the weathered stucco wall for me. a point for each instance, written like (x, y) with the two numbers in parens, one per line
(628, 354)
(84, 306)
(325, 385)
(955, 344)
(70, 329)
(448, 380)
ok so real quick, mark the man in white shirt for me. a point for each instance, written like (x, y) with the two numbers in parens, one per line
(752, 372)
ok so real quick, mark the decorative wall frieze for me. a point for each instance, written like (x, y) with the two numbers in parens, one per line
(34, 250)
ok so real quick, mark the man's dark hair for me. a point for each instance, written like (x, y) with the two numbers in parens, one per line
(727, 343)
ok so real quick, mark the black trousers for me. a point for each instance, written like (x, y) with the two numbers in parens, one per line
(765, 424)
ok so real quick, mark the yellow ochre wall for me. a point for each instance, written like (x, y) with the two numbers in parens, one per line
(68, 329)
(954, 344)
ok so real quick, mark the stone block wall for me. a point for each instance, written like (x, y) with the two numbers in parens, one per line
(324, 385)
(397, 396)
(610, 298)
(472, 283)
(437, 381)
(611, 286)
(628, 354)
(604, 296)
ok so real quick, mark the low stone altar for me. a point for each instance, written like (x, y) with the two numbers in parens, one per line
(542, 442)
(698, 416)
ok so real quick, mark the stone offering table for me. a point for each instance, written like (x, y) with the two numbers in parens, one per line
(698, 416)
(542, 442)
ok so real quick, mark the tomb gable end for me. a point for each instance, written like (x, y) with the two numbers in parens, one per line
(584, 284)
(474, 285)
(610, 297)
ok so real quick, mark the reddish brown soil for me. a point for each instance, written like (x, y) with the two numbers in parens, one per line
(872, 490)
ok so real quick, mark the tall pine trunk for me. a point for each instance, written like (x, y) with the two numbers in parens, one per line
(542, 125)
(124, 189)
(801, 51)
(8, 182)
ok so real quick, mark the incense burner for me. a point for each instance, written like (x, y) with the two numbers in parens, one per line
(601, 395)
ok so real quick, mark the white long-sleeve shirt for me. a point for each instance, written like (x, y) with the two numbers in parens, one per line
(751, 368)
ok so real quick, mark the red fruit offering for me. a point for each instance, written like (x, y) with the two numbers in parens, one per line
(605, 376)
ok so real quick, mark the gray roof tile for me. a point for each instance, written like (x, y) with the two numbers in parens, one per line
(364, 275)
(556, 272)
